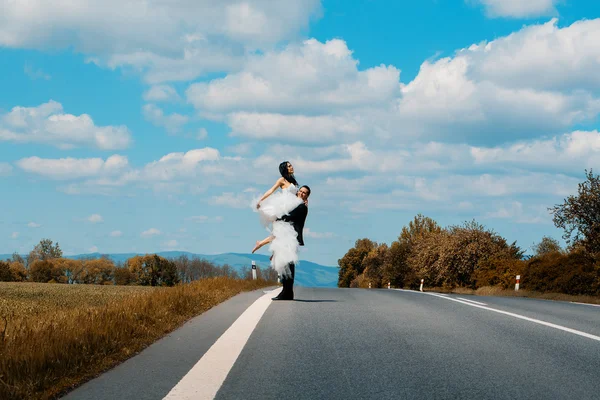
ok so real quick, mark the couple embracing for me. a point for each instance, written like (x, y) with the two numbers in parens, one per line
(283, 213)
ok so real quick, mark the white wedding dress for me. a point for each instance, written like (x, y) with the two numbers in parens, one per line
(284, 246)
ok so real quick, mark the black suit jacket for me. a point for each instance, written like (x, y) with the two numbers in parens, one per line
(297, 217)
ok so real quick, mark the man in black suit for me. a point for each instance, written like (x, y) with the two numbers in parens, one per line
(296, 217)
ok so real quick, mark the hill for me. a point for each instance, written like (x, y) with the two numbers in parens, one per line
(307, 273)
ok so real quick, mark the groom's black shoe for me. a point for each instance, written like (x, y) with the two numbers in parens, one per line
(283, 296)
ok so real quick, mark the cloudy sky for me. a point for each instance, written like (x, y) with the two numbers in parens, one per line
(142, 126)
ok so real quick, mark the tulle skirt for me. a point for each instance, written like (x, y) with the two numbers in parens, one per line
(275, 206)
(284, 247)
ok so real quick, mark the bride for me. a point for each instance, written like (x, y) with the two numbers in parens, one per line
(272, 206)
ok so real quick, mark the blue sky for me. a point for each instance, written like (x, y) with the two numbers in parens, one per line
(147, 126)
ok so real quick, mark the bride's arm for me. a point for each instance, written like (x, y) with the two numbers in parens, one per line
(269, 192)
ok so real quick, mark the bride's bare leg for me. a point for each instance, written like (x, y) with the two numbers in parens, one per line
(261, 243)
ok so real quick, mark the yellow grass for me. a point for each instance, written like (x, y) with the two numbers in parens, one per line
(27, 299)
(59, 336)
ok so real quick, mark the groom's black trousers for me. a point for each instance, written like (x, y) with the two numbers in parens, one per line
(288, 282)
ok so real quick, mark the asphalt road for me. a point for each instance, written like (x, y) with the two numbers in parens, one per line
(372, 343)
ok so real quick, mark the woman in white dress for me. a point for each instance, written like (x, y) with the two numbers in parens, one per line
(272, 206)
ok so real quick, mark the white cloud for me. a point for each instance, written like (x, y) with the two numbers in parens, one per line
(202, 134)
(33, 225)
(360, 178)
(200, 57)
(116, 234)
(541, 57)
(95, 218)
(488, 92)
(48, 124)
(318, 235)
(518, 8)
(176, 165)
(233, 200)
(171, 243)
(299, 128)
(198, 218)
(494, 185)
(446, 192)
(241, 148)
(172, 122)
(429, 171)
(336, 159)
(573, 152)
(164, 93)
(179, 172)
(244, 20)
(34, 73)
(150, 232)
(14, 235)
(170, 40)
(312, 77)
(503, 212)
(443, 102)
(95, 187)
(73, 168)
(174, 172)
(516, 212)
(5, 169)
(458, 188)
(536, 80)
(93, 249)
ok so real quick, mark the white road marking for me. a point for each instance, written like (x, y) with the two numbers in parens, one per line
(537, 321)
(206, 377)
(586, 304)
(472, 301)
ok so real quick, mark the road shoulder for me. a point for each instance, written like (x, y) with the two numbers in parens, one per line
(153, 372)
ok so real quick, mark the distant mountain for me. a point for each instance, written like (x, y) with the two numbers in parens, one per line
(307, 273)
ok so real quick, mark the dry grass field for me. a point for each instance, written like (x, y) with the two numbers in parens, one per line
(54, 337)
(25, 299)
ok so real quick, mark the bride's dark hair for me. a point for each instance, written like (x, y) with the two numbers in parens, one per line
(283, 170)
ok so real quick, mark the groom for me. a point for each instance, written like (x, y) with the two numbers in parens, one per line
(296, 217)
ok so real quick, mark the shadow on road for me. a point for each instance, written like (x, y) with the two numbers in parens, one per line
(316, 301)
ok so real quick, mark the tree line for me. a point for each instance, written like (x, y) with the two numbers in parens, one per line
(46, 264)
(473, 256)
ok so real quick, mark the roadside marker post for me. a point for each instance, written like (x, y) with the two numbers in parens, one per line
(421, 288)
(253, 270)
(517, 284)
(369, 285)
(389, 285)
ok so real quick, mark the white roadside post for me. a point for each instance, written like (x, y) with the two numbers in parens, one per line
(253, 270)
(517, 284)
(369, 285)
(389, 285)
(421, 288)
